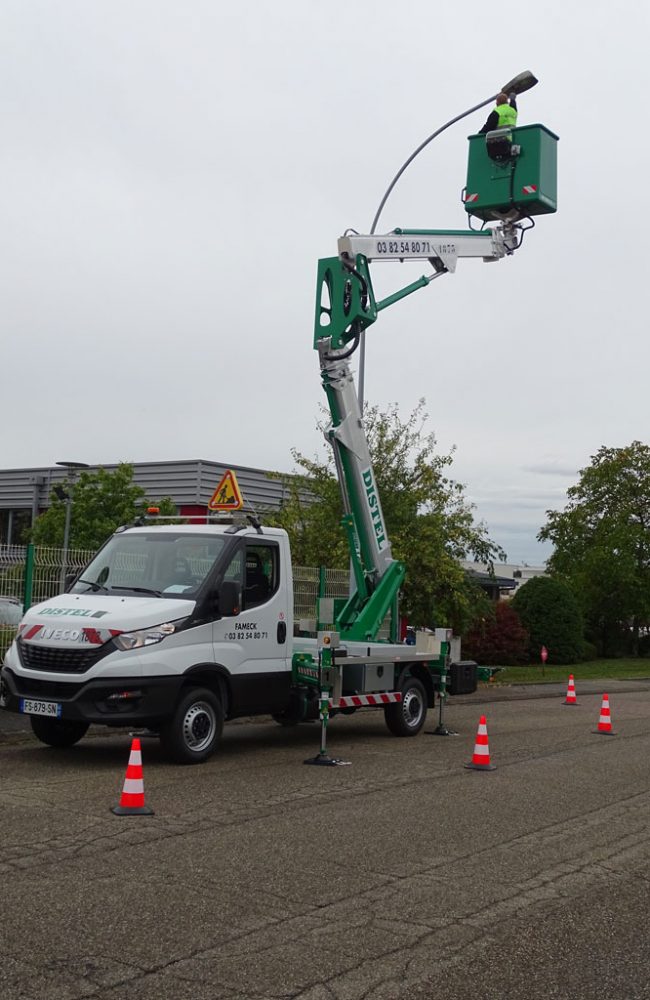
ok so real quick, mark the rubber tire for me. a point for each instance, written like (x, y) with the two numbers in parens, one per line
(400, 717)
(173, 734)
(58, 733)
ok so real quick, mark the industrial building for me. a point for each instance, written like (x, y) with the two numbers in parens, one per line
(25, 493)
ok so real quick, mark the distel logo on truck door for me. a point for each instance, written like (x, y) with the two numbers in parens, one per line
(375, 510)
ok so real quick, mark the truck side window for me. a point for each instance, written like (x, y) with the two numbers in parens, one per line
(262, 573)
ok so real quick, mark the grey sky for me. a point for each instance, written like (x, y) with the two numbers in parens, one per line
(172, 172)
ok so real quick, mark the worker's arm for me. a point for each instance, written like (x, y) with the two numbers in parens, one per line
(491, 123)
(513, 101)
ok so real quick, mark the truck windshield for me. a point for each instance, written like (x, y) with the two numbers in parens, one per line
(162, 564)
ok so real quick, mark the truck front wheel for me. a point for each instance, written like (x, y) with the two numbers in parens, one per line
(406, 718)
(194, 731)
(57, 732)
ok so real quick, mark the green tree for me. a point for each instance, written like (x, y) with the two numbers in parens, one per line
(551, 615)
(602, 545)
(101, 502)
(429, 520)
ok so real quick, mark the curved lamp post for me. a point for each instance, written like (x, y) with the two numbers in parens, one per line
(72, 468)
(520, 83)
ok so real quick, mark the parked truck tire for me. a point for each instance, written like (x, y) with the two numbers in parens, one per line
(57, 732)
(406, 718)
(194, 731)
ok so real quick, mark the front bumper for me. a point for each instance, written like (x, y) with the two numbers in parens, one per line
(109, 701)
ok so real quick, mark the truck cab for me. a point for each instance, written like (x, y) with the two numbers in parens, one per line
(161, 609)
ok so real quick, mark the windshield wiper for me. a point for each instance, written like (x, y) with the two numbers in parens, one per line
(93, 584)
(136, 590)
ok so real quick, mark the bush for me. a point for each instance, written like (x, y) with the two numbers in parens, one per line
(589, 651)
(550, 613)
(498, 639)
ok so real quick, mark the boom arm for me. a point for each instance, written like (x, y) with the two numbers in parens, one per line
(345, 307)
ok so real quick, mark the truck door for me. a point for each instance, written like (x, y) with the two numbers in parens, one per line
(254, 645)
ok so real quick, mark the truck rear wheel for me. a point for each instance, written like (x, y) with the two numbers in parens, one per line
(193, 733)
(407, 717)
(57, 732)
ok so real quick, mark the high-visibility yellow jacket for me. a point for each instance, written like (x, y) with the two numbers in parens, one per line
(507, 116)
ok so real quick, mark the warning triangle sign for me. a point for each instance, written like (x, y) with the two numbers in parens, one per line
(227, 495)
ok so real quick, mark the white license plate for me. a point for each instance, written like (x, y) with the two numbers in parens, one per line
(49, 708)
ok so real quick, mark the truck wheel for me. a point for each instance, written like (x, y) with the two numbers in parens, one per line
(57, 732)
(194, 730)
(407, 717)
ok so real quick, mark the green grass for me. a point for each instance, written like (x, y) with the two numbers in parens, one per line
(593, 670)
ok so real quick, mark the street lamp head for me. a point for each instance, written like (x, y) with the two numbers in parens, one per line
(520, 83)
(74, 465)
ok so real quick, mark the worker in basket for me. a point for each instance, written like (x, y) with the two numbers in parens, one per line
(498, 127)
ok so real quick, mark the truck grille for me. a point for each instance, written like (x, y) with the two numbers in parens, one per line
(56, 690)
(62, 661)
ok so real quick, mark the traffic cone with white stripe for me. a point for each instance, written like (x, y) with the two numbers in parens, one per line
(132, 800)
(605, 720)
(481, 757)
(571, 693)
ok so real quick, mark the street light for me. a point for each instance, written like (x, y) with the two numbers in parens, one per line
(72, 468)
(518, 85)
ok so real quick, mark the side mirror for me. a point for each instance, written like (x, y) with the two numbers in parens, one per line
(229, 599)
(69, 580)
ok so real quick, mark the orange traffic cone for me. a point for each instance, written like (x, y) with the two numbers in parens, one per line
(481, 757)
(605, 721)
(571, 693)
(132, 800)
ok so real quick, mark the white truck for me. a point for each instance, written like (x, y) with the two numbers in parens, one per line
(178, 627)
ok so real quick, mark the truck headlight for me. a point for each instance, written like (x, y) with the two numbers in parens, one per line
(144, 637)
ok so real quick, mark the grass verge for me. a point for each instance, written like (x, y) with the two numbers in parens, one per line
(593, 670)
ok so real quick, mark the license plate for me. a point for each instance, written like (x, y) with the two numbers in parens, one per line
(49, 708)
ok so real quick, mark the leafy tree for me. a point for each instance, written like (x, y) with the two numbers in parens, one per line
(101, 502)
(551, 615)
(429, 520)
(498, 638)
(602, 545)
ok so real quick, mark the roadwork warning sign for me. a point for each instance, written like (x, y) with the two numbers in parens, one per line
(227, 495)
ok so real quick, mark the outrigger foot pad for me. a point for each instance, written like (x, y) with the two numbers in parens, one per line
(443, 731)
(322, 760)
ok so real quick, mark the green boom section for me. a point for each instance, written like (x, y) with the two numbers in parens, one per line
(345, 302)
(345, 306)
(361, 619)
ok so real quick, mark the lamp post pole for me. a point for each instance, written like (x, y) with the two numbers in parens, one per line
(520, 83)
(72, 468)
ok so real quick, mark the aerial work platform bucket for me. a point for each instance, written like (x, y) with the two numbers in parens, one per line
(517, 185)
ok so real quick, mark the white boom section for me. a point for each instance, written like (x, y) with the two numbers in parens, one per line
(439, 247)
(354, 466)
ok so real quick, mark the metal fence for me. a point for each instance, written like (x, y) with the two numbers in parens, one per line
(309, 582)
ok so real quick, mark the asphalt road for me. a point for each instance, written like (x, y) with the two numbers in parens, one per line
(402, 876)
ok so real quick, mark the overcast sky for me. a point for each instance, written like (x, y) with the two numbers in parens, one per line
(172, 171)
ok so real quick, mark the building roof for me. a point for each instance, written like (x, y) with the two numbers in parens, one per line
(191, 481)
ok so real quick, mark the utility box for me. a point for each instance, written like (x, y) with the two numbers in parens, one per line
(364, 678)
(463, 677)
(525, 183)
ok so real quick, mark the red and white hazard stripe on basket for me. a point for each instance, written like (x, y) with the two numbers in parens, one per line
(367, 700)
(471, 198)
(529, 189)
